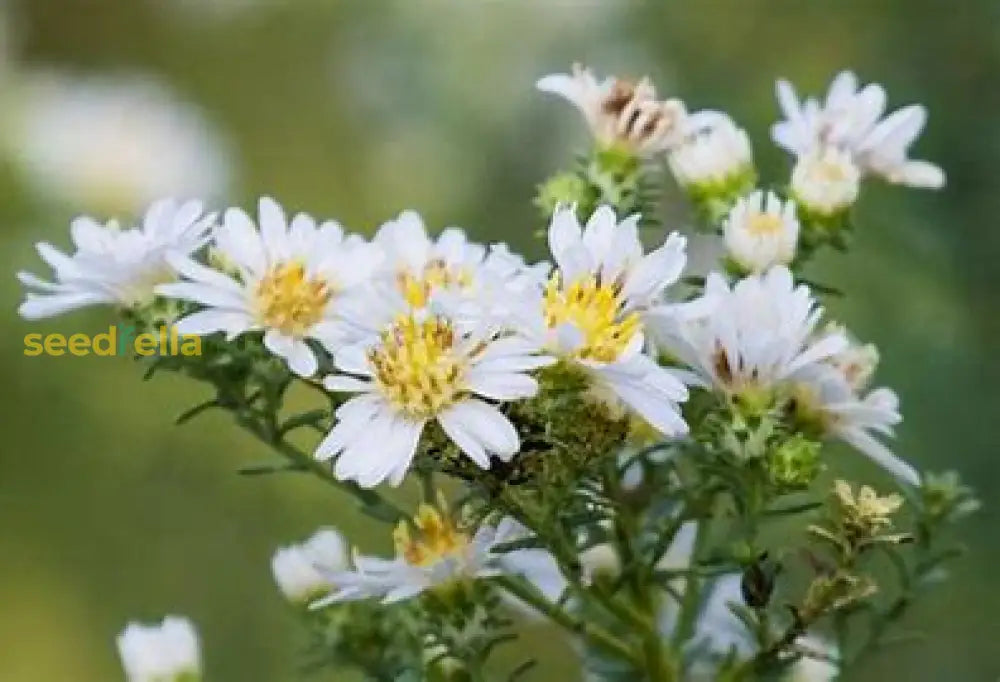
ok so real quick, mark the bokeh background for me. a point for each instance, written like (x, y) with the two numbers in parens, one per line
(357, 110)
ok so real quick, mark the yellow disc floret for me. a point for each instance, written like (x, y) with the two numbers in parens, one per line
(417, 367)
(764, 224)
(596, 309)
(290, 301)
(437, 274)
(429, 538)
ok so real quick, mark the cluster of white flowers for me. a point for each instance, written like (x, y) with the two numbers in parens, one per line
(835, 145)
(445, 331)
(438, 338)
(761, 336)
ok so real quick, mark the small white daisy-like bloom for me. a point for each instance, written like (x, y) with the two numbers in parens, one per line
(593, 309)
(425, 367)
(761, 231)
(825, 182)
(112, 145)
(167, 652)
(289, 279)
(431, 551)
(112, 265)
(754, 335)
(849, 119)
(421, 266)
(619, 111)
(298, 569)
(476, 281)
(714, 155)
(834, 397)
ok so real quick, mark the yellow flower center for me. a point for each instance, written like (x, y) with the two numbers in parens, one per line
(289, 301)
(830, 171)
(429, 538)
(416, 366)
(763, 224)
(416, 289)
(595, 309)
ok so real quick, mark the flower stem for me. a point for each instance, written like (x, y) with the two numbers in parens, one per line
(369, 499)
(594, 634)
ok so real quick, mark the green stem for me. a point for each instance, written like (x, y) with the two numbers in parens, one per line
(692, 593)
(368, 498)
(594, 634)
(658, 663)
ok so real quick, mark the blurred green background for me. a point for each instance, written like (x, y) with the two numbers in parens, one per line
(357, 110)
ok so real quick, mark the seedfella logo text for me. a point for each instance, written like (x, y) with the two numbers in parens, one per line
(118, 340)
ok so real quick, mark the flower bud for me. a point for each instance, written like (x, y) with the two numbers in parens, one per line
(795, 463)
(167, 652)
(600, 561)
(864, 514)
(946, 497)
(620, 112)
(298, 569)
(825, 183)
(564, 189)
(715, 162)
(761, 231)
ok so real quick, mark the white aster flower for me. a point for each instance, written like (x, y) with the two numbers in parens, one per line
(592, 312)
(431, 551)
(421, 368)
(825, 182)
(714, 155)
(115, 266)
(476, 281)
(834, 398)
(167, 652)
(754, 336)
(761, 231)
(849, 119)
(112, 145)
(299, 569)
(289, 280)
(619, 111)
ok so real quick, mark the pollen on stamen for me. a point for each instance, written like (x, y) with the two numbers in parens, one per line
(291, 301)
(430, 537)
(416, 366)
(416, 288)
(596, 309)
(764, 224)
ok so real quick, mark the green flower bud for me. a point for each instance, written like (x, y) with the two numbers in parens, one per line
(946, 497)
(795, 463)
(564, 188)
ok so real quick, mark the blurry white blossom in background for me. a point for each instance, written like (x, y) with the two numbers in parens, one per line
(111, 144)
(164, 652)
